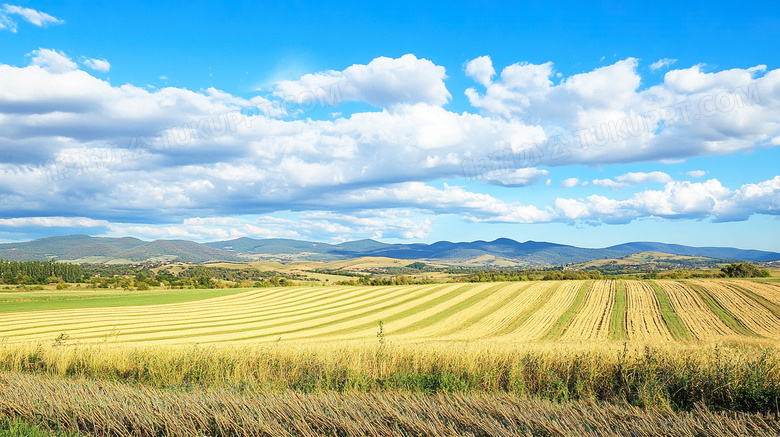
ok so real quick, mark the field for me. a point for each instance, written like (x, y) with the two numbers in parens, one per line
(521, 358)
(567, 311)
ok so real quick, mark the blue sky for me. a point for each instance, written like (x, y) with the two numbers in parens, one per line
(411, 121)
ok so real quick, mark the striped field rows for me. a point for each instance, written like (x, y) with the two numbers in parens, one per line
(567, 311)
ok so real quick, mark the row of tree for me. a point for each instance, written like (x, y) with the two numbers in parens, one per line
(38, 272)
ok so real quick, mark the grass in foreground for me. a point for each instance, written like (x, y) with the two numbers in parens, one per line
(730, 378)
(118, 409)
(18, 428)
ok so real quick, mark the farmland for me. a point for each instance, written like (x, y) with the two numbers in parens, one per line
(417, 356)
(568, 311)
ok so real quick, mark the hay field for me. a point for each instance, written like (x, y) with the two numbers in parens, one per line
(565, 311)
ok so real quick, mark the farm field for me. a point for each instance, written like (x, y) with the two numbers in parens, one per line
(565, 311)
(505, 358)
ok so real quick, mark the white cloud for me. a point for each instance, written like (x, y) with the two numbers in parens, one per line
(605, 117)
(481, 70)
(636, 178)
(40, 19)
(98, 65)
(679, 200)
(219, 163)
(521, 177)
(384, 82)
(608, 183)
(52, 60)
(311, 225)
(570, 182)
(661, 63)
(51, 222)
(696, 173)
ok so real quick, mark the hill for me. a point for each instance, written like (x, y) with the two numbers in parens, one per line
(503, 251)
(83, 248)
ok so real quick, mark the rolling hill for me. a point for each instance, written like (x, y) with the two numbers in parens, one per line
(81, 248)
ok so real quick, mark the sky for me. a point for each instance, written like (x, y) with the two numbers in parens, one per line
(589, 125)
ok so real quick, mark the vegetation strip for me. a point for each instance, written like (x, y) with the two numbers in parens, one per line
(486, 312)
(403, 314)
(559, 327)
(185, 311)
(77, 300)
(617, 325)
(392, 303)
(727, 318)
(522, 318)
(671, 318)
(460, 306)
(769, 305)
(141, 320)
(113, 410)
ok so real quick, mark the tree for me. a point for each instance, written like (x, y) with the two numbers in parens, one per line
(126, 284)
(744, 270)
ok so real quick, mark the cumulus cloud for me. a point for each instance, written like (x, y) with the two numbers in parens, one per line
(570, 182)
(696, 173)
(604, 116)
(52, 60)
(383, 82)
(661, 63)
(73, 142)
(37, 18)
(481, 70)
(521, 177)
(52, 222)
(679, 200)
(100, 65)
(311, 225)
(634, 178)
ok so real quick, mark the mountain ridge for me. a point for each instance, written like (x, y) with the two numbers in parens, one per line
(530, 252)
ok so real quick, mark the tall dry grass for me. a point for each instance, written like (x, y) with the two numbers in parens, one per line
(739, 377)
(102, 408)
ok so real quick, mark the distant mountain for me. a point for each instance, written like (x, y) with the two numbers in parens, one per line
(534, 253)
(529, 252)
(77, 247)
(181, 250)
(709, 252)
(67, 247)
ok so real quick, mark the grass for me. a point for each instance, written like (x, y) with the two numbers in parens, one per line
(727, 318)
(563, 322)
(673, 322)
(12, 302)
(18, 428)
(617, 325)
(733, 378)
(119, 409)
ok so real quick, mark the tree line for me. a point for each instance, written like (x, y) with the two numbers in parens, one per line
(39, 272)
